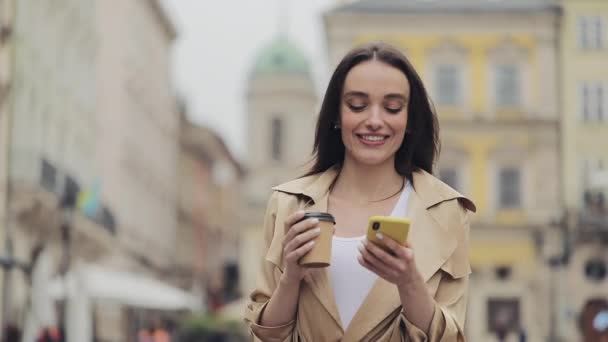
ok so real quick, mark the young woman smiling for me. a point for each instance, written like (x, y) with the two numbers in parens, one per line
(375, 146)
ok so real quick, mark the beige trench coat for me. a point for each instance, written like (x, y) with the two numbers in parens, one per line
(439, 236)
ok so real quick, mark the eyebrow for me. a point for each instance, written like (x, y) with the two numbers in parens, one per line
(387, 97)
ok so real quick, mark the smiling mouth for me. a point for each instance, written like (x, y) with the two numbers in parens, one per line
(372, 138)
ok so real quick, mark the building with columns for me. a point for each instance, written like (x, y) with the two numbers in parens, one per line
(491, 69)
(6, 25)
(93, 172)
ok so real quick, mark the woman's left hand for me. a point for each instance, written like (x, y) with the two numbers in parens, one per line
(398, 268)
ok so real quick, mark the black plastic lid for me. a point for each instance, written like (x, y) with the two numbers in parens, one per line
(327, 217)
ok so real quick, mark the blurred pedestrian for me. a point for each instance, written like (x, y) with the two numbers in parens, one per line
(50, 334)
(155, 332)
(375, 145)
(146, 335)
(523, 336)
(12, 333)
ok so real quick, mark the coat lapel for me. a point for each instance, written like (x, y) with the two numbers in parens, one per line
(432, 246)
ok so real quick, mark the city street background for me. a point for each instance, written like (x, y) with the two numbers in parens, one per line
(140, 140)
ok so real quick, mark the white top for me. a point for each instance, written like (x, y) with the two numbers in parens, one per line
(351, 281)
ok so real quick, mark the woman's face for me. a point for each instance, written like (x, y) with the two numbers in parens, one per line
(373, 112)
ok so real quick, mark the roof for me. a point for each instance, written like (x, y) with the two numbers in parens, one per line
(281, 56)
(444, 5)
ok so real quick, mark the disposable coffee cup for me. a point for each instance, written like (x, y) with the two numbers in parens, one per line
(320, 255)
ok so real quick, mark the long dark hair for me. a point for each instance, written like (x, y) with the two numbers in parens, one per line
(420, 146)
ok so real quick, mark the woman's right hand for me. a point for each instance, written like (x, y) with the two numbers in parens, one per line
(298, 240)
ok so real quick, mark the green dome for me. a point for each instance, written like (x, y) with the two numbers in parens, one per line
(281, 57)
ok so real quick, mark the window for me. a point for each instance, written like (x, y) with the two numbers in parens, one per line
(450, 177)
(277, 139)
(594, 102)
(48, 176)
(591, 179)
(503, 273)
(503, 315)
(595, 269)
(448, 85)
(509, 188)
(591, 167)
(69, 196)
(508, 85)
(590, 33)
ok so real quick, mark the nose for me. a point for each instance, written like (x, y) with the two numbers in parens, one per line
(374, 121)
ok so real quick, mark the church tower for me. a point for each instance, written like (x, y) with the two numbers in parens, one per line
(281, 111)
(280, 122)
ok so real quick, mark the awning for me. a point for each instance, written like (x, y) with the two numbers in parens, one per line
(130, 289)
(490, 252)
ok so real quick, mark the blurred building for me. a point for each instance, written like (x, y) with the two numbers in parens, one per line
(210, 216)
(281, 104)
(93, 177)
(584, 125)
(491, 69)
(6, 13)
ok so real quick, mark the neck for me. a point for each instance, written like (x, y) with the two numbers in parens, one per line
(367, 183)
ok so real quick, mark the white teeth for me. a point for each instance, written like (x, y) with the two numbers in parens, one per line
(372, 137)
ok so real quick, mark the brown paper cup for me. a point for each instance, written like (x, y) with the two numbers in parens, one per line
(320, 254)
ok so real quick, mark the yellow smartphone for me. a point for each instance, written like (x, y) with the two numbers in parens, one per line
(395, 227)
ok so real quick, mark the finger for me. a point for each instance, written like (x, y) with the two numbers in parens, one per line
(408, 255)
(299, 228)
(399, 251)
(393, 262)
(407, 252)
(295, 255)
(390, 243)
(293, 218)
(302, 238)
(375, 261)
(370, 267)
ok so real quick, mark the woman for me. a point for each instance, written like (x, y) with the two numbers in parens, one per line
(375, 145)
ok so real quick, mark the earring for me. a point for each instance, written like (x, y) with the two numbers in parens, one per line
(336, 126)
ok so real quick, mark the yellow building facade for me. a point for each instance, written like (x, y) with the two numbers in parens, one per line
(584, 52)
(584, 125)
(491, 69)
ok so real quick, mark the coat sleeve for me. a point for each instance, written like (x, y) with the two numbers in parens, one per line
(266, 283)
(450, 299)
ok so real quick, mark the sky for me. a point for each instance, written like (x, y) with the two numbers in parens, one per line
(217, 45)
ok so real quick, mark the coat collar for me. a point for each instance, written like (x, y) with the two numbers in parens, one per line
(429, 235)
(430, 190)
